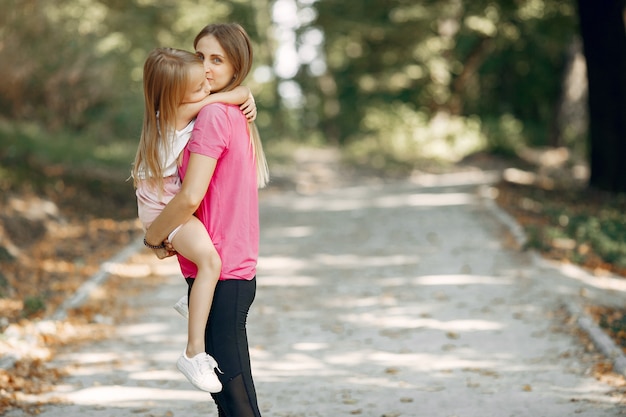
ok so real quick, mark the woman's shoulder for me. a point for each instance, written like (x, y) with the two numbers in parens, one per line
(220, 117)
(218, 110)
(214, 107)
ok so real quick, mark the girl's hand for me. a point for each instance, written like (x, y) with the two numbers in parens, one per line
(169, 247)
(163, 253)
(249, 108)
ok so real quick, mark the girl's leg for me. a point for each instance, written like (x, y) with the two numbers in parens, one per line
(193, 242)
(227, 342)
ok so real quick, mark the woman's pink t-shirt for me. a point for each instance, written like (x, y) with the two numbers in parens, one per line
(229, 209)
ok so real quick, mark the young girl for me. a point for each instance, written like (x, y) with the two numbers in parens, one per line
(175, 89)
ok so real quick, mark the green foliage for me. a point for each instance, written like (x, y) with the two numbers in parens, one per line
(494, 67)
(5, 256)
(535, 239)
(76, 65)
(615, 324)
(70, 67)
(605, 233)
(33, 305)
(490, 59)
(4, 283)
(505, 134)
(21, 142)
(398, 138)
(594, 227)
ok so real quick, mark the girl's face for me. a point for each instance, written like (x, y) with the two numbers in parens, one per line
(219, 70)
(198, 87)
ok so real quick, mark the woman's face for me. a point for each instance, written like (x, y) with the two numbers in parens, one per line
(219, 70)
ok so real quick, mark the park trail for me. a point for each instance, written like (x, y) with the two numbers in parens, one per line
(406, 298)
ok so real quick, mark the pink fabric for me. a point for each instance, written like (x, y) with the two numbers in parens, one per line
(149, 203)
(229, 209)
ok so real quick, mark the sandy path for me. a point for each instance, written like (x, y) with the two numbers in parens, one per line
(397, 300)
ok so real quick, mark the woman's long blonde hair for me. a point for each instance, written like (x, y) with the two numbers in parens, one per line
(165, 83)
(236, 44)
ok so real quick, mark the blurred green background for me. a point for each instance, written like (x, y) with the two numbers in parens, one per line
(392, 86)
(392, 83)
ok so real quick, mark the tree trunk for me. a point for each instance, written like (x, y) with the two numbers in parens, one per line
(604, 42)
(570, 125)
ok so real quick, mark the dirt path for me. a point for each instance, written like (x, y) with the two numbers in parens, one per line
(404, 299)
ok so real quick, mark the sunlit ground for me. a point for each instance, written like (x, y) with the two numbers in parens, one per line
(394, 300)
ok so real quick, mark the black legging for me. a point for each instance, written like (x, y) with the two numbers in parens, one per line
(227, 341)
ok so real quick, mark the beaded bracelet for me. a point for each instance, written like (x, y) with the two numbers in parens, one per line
(161, 246)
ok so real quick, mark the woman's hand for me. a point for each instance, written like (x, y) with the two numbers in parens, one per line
(249, 108)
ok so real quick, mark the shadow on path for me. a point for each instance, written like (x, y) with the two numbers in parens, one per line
(391, 300)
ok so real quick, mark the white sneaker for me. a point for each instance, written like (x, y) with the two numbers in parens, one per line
(182, 306)
(200, 371)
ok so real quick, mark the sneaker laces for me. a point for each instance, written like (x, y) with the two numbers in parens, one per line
(208, 364)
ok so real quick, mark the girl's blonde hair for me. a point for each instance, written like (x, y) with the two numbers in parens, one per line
(236, 44)
(166, 77)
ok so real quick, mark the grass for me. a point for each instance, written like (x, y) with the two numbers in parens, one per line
(581, 226)
(81, 154)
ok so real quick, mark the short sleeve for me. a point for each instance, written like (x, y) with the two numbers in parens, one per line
(210, 136)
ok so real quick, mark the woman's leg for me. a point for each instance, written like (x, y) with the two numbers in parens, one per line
(227, 342)
(193, 242)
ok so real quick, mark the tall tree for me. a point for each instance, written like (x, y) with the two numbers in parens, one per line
(604, 41)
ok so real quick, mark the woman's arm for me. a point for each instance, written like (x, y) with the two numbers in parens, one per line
(180, 209)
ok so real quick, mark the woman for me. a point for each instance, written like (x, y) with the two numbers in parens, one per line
(223, 167)
(175, 90)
